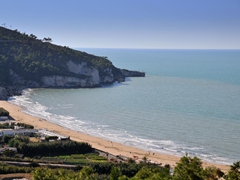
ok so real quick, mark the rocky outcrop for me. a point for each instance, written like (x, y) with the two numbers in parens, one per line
(83, 75)
(20, 81)
(90, 76)
(83, 69)
(127, 73)
(64, 81)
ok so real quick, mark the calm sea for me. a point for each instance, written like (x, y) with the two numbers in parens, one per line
(189, 102)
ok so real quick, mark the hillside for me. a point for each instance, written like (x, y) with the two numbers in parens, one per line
(26, 61)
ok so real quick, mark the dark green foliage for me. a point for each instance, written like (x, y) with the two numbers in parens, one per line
(33, 164)
(3, 112)
(24, 139)
(54, 148)
(102, 168)
(152, 172)
(115, 173)
(6, 139)
(7, 169)
(86, 173)
(32, 58)
(9, 153)
(18, 141)
(188, 168)
(48, 138)
(234, 173)
(212, 173)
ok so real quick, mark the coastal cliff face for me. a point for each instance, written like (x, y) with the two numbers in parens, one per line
(28, 62)
(88, 77)
(83, 69)
(127, 73)
(63, 81)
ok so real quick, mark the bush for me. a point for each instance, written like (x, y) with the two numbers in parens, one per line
(55, 148)
(48, 138)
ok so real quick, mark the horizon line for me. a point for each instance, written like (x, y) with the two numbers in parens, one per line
(157, 48)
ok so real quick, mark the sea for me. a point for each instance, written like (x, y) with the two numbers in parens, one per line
(188, 103)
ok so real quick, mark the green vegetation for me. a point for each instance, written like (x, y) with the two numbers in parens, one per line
(91, 166)
(8, 169)
(5, 139)
(49, 138)
(54, 148)
(77, 159)
(234, 172)
(11, 125)
(186, 170)
(115, 171)
(3, 112)
(33, 58)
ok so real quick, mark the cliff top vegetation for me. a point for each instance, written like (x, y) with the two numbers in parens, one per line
(32, 58)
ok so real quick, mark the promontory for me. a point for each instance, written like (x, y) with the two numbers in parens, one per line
(29, 62)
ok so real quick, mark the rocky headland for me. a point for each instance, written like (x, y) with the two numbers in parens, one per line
(28, 62)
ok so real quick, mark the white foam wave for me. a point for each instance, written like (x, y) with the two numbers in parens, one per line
(105, 131)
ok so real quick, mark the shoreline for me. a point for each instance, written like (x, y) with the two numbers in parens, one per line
(96, 142)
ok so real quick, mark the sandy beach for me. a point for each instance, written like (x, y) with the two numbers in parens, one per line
(98, 143)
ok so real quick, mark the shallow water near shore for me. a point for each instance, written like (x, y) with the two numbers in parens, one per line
(189, 102)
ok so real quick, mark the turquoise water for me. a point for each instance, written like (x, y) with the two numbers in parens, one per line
(189, 102)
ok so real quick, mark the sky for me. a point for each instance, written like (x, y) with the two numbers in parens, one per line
(145, 24)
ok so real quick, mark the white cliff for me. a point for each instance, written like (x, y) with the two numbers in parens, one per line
(83, 69)
(65, 81)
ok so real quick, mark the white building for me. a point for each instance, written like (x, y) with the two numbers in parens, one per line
(46, 132)
(3, 118)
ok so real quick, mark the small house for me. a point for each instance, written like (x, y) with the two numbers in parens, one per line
(13, 132)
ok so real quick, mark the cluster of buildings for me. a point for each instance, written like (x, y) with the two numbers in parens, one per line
(31, 132)
(26, 132)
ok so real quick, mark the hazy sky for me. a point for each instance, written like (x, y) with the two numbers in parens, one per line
(167, 24)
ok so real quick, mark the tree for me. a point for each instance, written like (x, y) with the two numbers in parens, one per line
(188, 168)
(47, 39)
(6, 138)
(115, 173)
(86, 173)
(234, 172)
(144, 173)
(212, 173)
(9, 153)
(43, 174)
(33, 36)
